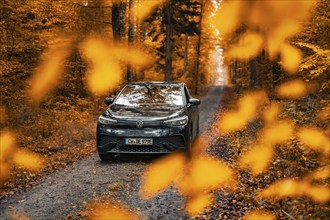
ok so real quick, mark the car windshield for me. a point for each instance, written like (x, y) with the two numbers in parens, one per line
(151, 95)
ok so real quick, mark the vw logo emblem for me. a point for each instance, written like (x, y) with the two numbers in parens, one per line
(139, 124)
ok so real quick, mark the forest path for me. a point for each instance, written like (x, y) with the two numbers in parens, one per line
(64, 193)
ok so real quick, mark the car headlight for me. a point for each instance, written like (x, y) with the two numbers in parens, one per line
(177, 121)
(106, 121)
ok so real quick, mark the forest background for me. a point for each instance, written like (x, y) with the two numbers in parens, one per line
(53, 83)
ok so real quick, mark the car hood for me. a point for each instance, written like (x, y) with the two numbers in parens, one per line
(148, 113)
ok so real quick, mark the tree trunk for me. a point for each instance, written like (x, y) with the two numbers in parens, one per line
(199, 48)
(276, 70)
(253, 73)
(168, 46)
(118, 29)
(130, 73)
(185, 64)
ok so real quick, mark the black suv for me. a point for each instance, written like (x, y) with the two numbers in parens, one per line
(148, 118)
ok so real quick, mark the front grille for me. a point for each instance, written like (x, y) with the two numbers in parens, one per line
(105, 139)
(172, 143)
(161, 144)
(139, 149)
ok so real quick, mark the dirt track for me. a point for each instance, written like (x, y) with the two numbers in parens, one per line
(64, 193)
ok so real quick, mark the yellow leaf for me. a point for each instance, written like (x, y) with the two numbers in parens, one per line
(324, 113)
(162, 174)
(231, 122)
(290, 58)
(144, 7)
(314, 138)
(110, 211)
(104, 72)
(284, 188)
(293, 89)
(7, 146)
(277, 133)
(259, 215)
(319, 193)
(249, 103)
(249, 46)
(228, 16)
(247, 109)
(207, 173)
(322, 173)
(257, 158)
(272, 112)
(50, 69)
(198, 203)
(28, 160)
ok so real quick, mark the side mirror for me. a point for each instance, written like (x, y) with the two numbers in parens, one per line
(193, 101)
(108, 101)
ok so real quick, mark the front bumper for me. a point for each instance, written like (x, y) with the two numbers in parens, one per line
(111, 140)
(116, 145)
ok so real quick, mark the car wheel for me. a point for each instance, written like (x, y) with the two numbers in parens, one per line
(105, 157)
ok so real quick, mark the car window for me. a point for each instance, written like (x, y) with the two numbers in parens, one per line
(150, 95)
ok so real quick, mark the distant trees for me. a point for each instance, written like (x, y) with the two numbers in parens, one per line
(265, 69)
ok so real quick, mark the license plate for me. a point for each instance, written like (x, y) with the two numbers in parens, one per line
(139, 141)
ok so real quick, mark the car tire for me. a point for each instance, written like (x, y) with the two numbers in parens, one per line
(105, 157)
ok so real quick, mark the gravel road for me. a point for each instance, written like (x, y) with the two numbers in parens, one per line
(64, 193)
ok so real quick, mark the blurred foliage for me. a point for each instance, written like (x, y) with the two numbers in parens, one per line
(280, 144)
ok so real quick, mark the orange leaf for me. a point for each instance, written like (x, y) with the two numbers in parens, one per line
(162, 174)
(277, 133)
(207, 173)
(248, 47)
(110, 211)
(314, 138)
(228, 16)
(259, 215)
(50, 69)
(272, 112)
(198, 203)
(290, 58)
(7, 146)
(293, 89)
(257, 158)
(28, 160)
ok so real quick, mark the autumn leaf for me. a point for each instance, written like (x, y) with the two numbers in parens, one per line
(108, 210)
(247, 109)
(293, 89)
(27, 160)
(104, 71)
(228, 16)
(145, 7)
(272, 112)
(315, 138)
(249, 46)
(196, 204)
(162, 174)
(259, 215)
(206, 173)
(50, 69)
(295, 188)
(7, 146)
(278, 132)
(257, 158)
(290, 58)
